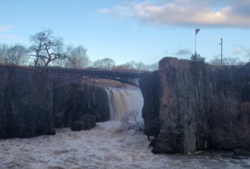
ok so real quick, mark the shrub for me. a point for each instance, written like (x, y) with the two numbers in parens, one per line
(131, 122)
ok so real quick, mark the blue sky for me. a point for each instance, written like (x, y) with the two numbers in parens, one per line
(136, 30)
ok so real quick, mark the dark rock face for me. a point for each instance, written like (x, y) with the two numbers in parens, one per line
(239, 152)
(150, 112)
(73, 100)
(200, 106)
(26, 103)
(35, 101)
(86, 122)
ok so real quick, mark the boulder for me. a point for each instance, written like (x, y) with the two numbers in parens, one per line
(86, 122)
(78, 125)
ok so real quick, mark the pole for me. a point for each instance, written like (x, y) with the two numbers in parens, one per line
(195, 43)
(196, 32)
(195, 46)
(221, 50)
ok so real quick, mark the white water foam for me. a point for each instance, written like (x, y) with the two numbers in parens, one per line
(102, 148)
(105, 148)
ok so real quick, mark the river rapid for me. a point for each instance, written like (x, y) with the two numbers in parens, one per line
(105, 147)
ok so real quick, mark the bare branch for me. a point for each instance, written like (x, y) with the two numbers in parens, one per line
(130, 122)
(17, 54)
(46, 47)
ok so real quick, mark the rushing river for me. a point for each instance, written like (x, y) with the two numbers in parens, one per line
(105, 148)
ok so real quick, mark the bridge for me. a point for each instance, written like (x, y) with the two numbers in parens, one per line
(124, 76)
(129, 77)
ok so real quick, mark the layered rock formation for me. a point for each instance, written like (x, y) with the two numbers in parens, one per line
(26, 103)
(197, 106)
(150, 111)
(35, 101)
(73, 100)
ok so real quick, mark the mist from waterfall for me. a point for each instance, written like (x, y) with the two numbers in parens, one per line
(123, 101)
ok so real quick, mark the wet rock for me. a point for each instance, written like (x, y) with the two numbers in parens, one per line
(152, 143)
(240, 152)
(86, 122)
(150, 112)
(78, 125)
(197, 106)
(90, 120)
(26, 103)
(72, 101)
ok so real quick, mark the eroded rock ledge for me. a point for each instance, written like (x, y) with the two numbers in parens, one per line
(192, 106)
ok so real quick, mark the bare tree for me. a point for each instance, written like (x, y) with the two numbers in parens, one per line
(3, 52)
(226, 61)
(128, 66)
(105, 63)
(98, 64)
(140, 66)
(46, 47)
(132, 65)
(17, 54)
(109, 63)
(131, 122)
(77, 57)
(152, 67)
(215, 61)
(230, 61)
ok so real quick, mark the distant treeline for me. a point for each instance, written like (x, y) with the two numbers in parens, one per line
(48, 50)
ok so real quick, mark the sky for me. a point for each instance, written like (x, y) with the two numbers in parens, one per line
(138, 30)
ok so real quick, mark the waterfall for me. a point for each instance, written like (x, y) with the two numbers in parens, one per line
(123, 101)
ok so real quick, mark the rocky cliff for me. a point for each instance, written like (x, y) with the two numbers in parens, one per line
(73, 100)
(26, 103)
(197, 106)
(151, 107)
(35, 101)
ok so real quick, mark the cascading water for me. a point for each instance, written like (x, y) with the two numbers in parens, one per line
(123, 101)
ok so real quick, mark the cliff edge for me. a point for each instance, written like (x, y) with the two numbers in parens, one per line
(190, 106)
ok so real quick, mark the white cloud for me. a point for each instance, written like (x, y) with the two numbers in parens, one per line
(117, 11)
(4, 28)
(104, 10)
(238, 50)
(186, 13)
(241, 50)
